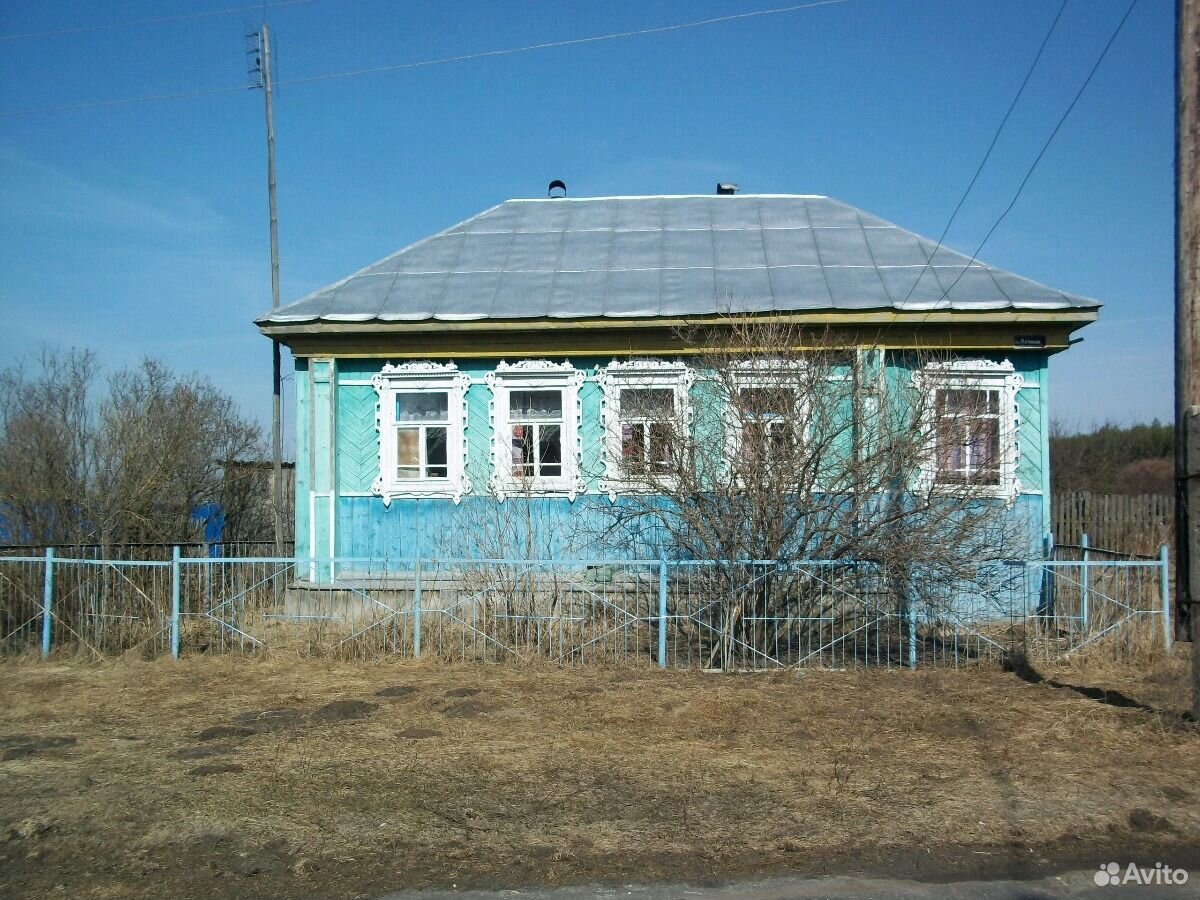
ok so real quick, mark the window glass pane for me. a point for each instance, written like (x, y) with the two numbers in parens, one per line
(754, 441)
(407, 446)
(408, 453)
(985, 451)
(425, 406)
(435, 453)
(550, 450)
(660, 445)
(767, 401)
(632, 442)
(967, 402)
(522, 450)
(535, 406)
(950, 457)
(781, 439)
(647, 403)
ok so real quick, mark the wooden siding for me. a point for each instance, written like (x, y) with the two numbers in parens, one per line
(336, 408)
(357, 437)
(1128, 524)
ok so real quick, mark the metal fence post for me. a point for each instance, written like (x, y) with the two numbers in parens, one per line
(662, 612)
(417, 612)
(47, 602)
(175, 595)
(912, 631)
(1083, 581)
(1165, 588)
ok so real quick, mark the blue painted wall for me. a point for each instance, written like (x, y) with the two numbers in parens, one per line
(337, 448)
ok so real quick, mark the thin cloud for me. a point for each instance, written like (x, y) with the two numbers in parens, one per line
(32, 189)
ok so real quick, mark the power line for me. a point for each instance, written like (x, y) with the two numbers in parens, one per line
(164, 20)
(617, 35)
(992, 146)
(154, 98)
(1042, 152)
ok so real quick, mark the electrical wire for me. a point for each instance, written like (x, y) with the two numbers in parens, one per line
(464, 57)
(1042, 152)
(992, 146)
(163, 20)
(661, 29)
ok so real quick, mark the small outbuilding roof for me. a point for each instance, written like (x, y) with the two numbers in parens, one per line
(646, 257)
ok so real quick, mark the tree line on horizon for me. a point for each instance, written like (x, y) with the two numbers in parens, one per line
(1114, 459)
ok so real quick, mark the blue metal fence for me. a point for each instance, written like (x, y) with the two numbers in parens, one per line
(684, 614)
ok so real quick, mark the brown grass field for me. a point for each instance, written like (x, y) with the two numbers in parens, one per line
(282, 777)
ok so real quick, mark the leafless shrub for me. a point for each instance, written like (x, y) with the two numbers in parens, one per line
(124, 459)
(797, 447)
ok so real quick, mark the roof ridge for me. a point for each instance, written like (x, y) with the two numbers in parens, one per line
(722, 197)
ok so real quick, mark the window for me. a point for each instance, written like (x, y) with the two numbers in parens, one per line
(422, 424)
(766, 414)
(967, 435)
(535, 421)
(971, 420)
(422, 433)
(645, 408)
(535, 411)
(647, 423)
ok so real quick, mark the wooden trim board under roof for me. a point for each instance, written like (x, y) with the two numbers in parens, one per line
(947, 330)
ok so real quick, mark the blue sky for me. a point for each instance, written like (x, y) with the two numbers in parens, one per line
(141, 228)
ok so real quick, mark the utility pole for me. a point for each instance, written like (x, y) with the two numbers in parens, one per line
(263, 69)
(1187, 333)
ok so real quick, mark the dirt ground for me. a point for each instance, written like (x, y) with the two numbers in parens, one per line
(221, 778)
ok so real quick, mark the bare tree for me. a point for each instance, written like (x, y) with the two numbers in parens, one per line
(46, 447)
(792, 448)
(127, 465)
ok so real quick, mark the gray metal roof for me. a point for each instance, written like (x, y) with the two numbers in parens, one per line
(641, 257)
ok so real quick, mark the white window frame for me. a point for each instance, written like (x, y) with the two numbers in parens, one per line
(417, 377)
(761, 374)
(633, 374)
(967, 375)
(536, 375)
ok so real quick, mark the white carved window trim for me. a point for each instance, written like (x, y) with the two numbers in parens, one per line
(764, 373)
(536, 375)
(415, 377)
(637, 373)
(972, 374)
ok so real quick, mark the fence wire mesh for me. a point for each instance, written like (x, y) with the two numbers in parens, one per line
(684, 614)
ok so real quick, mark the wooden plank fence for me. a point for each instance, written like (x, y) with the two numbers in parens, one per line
(1130, 524)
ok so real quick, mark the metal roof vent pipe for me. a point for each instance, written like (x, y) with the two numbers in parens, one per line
(556, 185)
(725, 189)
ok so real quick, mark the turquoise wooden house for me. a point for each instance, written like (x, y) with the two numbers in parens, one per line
(491, 363)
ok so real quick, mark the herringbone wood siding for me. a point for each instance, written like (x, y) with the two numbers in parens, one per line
(358, 438)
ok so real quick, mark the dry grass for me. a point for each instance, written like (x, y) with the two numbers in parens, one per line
(507, 775)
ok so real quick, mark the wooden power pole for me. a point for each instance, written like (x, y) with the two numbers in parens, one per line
(264, 72)
(1187, 333)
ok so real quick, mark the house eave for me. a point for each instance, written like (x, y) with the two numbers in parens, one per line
(1078, 317)
(946, 329)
